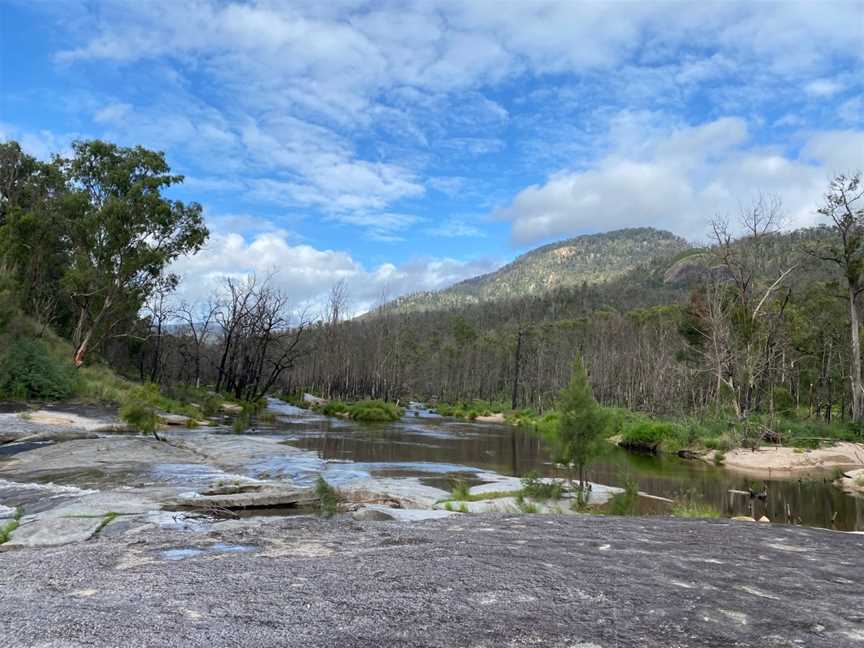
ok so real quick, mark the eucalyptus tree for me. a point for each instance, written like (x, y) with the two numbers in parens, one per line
(122, 233)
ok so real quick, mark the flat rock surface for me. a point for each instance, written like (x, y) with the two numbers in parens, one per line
(49, 532)
(462, 581)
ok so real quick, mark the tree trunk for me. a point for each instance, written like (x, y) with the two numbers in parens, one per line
(855, 376)
(516, 370)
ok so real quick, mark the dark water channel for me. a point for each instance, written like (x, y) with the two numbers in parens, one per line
(439, 450)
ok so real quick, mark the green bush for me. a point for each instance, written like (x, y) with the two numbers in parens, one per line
(536, 489)
(140, 415)
(29, 371)
(784, 404)
(375, 411)
(329, 497)
(651, 435)
(460, 490)
(625, 503)
(332, 408)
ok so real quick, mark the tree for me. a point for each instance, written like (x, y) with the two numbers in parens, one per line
(578, 436)
(846, 252)
(123, 233)
(33, 243)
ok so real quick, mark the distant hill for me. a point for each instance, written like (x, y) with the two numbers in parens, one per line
(590, 259)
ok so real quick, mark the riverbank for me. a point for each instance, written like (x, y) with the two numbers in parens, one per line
(779, 462)
(481, 581)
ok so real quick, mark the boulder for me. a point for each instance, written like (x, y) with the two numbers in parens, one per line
(372, 515)
(175, 419)
(259, 498)
(51, 532)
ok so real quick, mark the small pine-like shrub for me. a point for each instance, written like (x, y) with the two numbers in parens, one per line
(29, 371)
(328, 496)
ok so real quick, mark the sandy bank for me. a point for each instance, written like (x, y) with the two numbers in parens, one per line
(492, 418)
(792, 462)
(852, 481)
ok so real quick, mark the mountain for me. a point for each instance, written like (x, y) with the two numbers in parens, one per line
(590, 259)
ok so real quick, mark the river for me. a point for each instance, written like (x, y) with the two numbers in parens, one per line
(441, 450)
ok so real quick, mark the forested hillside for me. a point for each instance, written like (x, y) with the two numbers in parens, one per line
(762, 320)
(589, 259)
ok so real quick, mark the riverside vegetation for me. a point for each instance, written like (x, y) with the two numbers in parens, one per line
(751, 340)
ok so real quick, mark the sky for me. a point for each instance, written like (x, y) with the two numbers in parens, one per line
(404, 146)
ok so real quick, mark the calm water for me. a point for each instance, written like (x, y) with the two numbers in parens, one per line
(439, 450)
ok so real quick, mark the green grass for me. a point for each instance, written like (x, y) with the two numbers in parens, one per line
(527, 507)
(690, 506)
(653, 435)
(109, 517)
(11, 525)
(470, 409)
(624, 503)
(372, 411)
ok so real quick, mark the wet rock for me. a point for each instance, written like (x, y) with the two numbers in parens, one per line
(264, 497)
(7, 512)
(408, 493)
(175, 419)
(52, 532)
(372, 515)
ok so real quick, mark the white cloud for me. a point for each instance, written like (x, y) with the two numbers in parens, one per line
(823, 88)
(306, 273)
(454, 228)
(679, 179)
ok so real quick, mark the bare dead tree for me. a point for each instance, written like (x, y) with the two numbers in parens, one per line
(844, 209)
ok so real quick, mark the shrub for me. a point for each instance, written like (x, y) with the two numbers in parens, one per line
(328, 496)
(651, 435)
(375, 411)
(534, 488)
(460, 490)
(625, 503)
(691, 507)
(140, 415)
(29, 371)
(784, 404)
(332, 408)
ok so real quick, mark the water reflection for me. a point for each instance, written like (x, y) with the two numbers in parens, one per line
(437, 448)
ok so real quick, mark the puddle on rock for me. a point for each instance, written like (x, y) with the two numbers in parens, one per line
(182, 553)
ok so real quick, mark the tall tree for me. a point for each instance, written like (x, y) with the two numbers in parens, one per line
(846, 252)
(123, 233)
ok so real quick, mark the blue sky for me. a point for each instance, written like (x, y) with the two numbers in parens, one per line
(403, 146)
